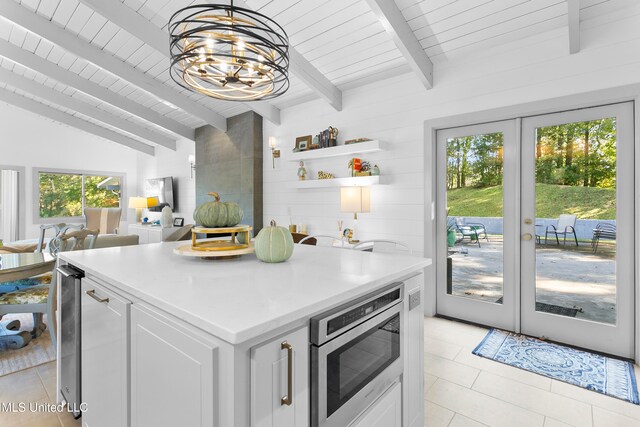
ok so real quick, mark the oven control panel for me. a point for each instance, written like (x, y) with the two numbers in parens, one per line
(362, 311)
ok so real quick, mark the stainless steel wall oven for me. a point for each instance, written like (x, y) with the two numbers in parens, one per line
(356, 354)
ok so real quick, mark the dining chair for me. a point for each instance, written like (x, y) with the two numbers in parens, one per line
(40, 299)
(313, 240)
(383, 245)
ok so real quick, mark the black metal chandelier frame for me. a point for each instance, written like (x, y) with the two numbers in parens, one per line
(228, 52)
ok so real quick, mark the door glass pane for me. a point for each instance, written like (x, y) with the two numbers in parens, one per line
(475, 216)
(576, 220)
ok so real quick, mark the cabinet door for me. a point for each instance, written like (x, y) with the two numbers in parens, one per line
(173, 373)
(155, 235)
(105, 348)
(269, 382)
(385, 412)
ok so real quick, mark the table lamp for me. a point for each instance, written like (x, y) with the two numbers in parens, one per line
(140, 203)
(356, 200)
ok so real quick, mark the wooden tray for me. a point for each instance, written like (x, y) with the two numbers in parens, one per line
(188, 250)
(221, 245)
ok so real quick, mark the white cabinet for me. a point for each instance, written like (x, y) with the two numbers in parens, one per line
(413, 384)
(150, 233)
(385, 412)
(272, 366)
(173, 373)
(105, 350)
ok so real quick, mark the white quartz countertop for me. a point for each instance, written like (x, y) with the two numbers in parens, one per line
(240, 299)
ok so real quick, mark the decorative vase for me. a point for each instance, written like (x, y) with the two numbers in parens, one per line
(274, 244)
(167, 217)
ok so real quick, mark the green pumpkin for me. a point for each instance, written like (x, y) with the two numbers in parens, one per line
(274, 244)
(218, 214)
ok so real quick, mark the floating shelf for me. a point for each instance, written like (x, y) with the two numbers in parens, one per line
(356, 181)
(340, 150)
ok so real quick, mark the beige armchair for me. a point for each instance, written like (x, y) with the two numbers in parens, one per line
(105, 220)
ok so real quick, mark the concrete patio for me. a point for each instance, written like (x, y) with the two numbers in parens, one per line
(567, 276)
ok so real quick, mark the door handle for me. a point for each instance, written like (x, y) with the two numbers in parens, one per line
(92, 294)
(288, 399)
(527, 236)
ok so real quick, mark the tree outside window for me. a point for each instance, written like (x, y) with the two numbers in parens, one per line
(67, 194)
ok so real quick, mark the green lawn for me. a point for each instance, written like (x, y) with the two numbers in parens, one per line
(552, 200)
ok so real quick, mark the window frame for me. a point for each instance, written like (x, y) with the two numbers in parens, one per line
(37, 219)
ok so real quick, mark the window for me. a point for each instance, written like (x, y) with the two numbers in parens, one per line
(66, 194)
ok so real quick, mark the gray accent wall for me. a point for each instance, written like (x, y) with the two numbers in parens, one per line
(231, 164)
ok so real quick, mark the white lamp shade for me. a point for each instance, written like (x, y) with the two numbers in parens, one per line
(272, 142)
(138, 202)
(143, 202)
(355, 199)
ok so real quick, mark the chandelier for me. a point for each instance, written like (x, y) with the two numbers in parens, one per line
(228, 52)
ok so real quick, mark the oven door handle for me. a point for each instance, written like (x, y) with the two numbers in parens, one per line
(288, 399)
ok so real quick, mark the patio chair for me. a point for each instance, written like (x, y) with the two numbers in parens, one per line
(313, 240)
(603, 230)
(566, 225)
(473, 230)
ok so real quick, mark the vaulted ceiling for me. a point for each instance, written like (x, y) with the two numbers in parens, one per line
(102, 65)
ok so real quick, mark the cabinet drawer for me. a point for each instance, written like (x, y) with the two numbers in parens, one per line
(385, 412)
(105, 350)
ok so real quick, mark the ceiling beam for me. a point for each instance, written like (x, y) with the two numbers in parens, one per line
(405, 40)
(313, 78)
(36, 24)
(573, 18)
(59, 116)
(36, 63)
(137, 25)
(58, 98)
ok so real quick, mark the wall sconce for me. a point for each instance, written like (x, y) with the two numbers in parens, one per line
(192, 163)
(275, 154)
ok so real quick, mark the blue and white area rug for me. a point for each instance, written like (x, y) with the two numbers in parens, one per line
(594, 372)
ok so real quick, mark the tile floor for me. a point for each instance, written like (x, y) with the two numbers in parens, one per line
(462, 390)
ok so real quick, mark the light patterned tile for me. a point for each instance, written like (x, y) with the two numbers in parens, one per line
(23, 386)
(550, 422)
(462, 421)
(436, 415)
(466, 357)
(429, 380)
(454, 332)
(562, 408)
(596, 399)
(441, 348)
(604, 418)
(450, 370)
(478, 406)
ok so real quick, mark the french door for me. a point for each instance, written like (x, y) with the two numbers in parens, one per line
(580, 291)
(477, 223)
(536, 226)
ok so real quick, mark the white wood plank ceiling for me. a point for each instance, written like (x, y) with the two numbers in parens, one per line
(75, 59)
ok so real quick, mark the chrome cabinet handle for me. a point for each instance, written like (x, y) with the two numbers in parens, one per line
(288, 399)
(92, 294)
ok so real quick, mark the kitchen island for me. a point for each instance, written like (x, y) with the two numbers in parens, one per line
(168, 340)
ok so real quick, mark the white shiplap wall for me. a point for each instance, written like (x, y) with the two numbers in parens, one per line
(394, 111)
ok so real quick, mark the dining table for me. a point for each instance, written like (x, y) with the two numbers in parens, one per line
(15, 267)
